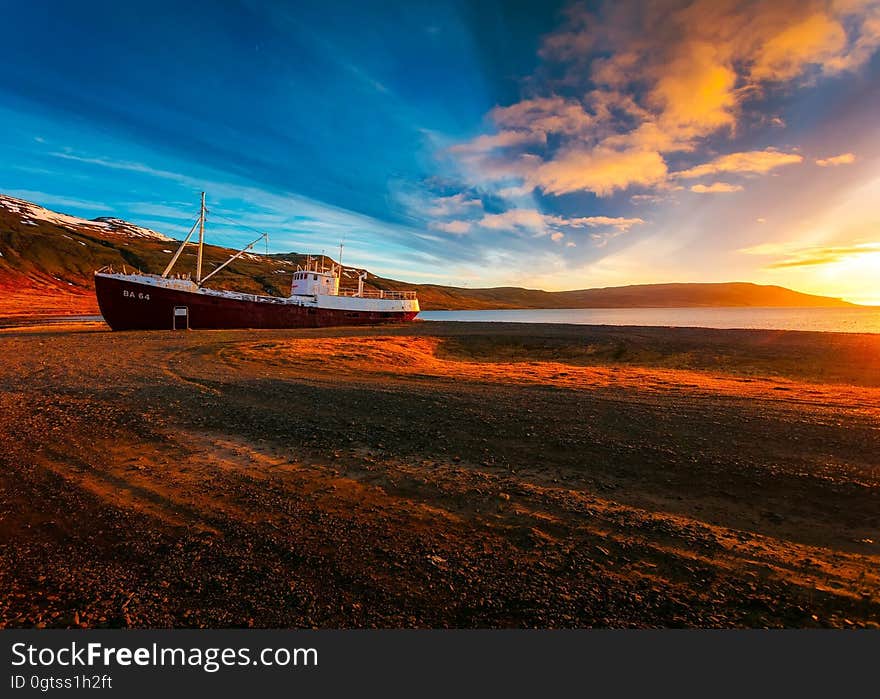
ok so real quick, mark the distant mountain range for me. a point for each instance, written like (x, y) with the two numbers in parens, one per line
(635, 296)
(47, 260)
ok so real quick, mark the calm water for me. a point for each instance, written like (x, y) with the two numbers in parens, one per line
(851, 320)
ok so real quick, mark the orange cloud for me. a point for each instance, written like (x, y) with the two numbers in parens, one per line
(842, 159)
(818, 38)
(545, 115)
(755, 162)
(715, 188)
(600, 170)
(695, 93)
(657, 78)
(863, 20)
(794, 256)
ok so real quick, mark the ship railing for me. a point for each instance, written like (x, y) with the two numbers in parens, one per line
(110, 269)
(381, 294)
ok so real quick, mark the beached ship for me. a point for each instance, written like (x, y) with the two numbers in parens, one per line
(136, 301)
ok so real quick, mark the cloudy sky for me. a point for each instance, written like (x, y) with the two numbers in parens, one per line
(541, 144)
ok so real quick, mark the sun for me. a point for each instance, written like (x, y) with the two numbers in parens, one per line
(856, 278)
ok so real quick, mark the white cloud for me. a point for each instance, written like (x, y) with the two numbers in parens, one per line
(48, 199)
(529, 219)
(535, 223)
(619, 222)
(453, 205)
(502, 139)
(454, 227)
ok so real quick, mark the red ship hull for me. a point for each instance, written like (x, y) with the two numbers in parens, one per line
(128, 305)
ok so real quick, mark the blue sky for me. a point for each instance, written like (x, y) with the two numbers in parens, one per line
(542, 144)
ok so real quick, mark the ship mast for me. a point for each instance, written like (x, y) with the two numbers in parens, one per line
(201, 241)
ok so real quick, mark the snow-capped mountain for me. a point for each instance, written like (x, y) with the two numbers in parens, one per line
(31, 213)
(48, 259)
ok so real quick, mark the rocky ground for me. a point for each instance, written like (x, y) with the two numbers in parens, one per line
(439, 475)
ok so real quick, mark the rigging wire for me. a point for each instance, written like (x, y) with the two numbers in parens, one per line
(268, 262)
(239, 224)
(250, 228)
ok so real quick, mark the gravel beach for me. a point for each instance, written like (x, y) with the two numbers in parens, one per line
(439, 475)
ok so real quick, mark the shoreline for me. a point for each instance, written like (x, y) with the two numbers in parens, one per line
(864, 319)
(789, 319)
